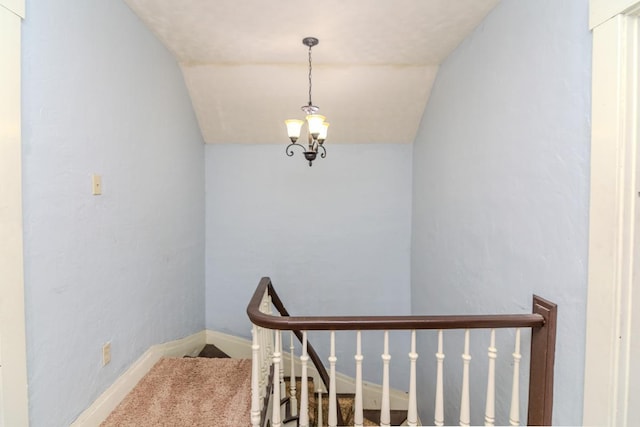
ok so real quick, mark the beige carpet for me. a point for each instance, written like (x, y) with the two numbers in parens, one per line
(188, 392)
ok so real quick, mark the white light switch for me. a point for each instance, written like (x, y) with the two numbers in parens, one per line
(96, 181)
(106, 354)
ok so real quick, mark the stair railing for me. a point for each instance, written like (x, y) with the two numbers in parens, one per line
(263, 299)
(542, 322)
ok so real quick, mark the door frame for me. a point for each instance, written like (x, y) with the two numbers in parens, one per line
(613, 211)
(14, 408)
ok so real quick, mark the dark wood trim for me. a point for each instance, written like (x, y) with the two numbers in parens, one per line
(354, 323)
(543, 349)
(364, 323)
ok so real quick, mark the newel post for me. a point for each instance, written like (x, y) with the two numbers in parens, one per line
(543, 349)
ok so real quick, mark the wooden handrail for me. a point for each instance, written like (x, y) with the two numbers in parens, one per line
(542, 322)
(353, 323)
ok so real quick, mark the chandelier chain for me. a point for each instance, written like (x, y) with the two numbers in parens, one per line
(310, 103)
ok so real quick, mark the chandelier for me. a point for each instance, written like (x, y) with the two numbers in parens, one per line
(317, 127)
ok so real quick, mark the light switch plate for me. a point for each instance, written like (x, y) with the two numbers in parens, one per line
(106, 354)
(96, 181)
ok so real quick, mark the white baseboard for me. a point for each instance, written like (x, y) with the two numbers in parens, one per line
(107, 402)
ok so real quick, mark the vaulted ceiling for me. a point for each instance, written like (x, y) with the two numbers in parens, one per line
(246, 68)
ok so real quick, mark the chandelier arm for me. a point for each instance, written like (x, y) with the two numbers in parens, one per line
(324, 151)
(289, 150)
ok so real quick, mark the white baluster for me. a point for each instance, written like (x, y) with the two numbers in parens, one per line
(412, 410)
(490, 409)
(464, 400)
(268, 343)
(358, 415)
(292, 380)
(283, 386)
(304, 386)
(255, 378)
(275, 418)
(385, 409)
(270, 348)
(320, 420)
(514, 414)
(265, 351)
(333, 410)
(439, 410)
(263, 361)
(263, 302)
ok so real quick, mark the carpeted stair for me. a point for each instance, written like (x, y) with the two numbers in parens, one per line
(198, 391)
(345, 400)
(191, 392)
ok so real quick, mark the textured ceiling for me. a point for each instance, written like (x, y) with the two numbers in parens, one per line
(246, 68)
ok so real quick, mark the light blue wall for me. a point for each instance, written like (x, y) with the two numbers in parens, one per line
(102, 95)
(500, 190)
(334, 237)
(500, 173)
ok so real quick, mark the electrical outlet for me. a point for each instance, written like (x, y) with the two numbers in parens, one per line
(106, 354)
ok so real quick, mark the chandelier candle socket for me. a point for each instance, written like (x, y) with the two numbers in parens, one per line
(317, 127)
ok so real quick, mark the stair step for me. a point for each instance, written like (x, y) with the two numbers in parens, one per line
(397, 416)
(346, 402)
(213, 352)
